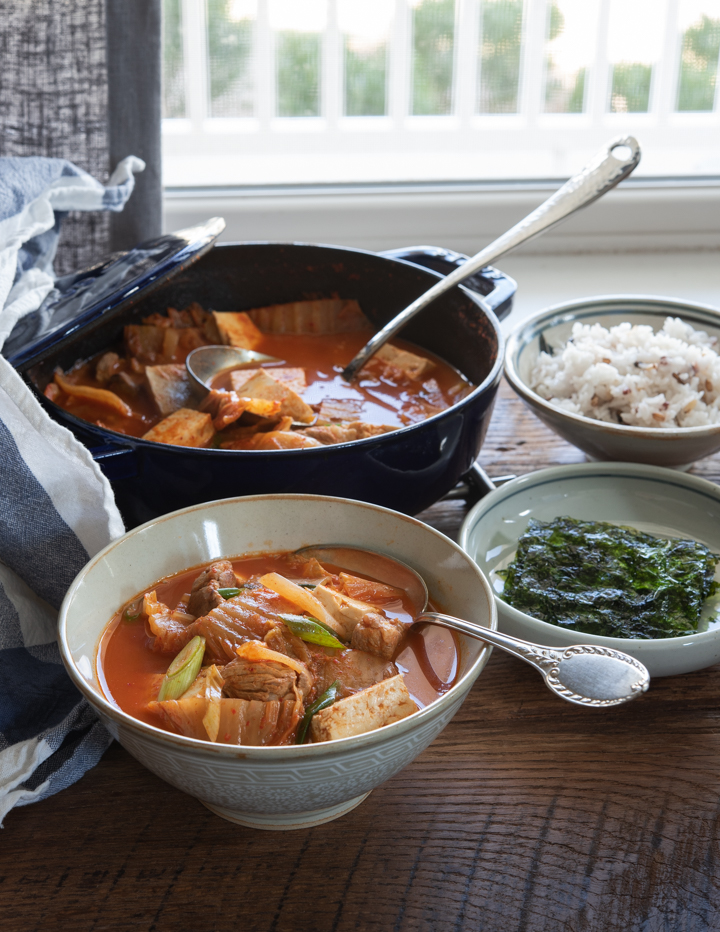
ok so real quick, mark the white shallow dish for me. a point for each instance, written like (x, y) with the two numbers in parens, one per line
(272, 787)
(677, 447)
(649, 498)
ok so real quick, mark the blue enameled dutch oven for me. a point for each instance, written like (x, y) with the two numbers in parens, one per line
(407, 470)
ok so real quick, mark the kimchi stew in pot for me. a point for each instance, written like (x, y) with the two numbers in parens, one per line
(275, 649)
(142, 387)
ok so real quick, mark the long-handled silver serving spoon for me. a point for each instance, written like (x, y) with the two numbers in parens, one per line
(585, 674)
(608, 168)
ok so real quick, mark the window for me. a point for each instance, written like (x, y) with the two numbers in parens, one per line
(268, 92)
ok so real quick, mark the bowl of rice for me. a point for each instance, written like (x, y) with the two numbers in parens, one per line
(623, 377)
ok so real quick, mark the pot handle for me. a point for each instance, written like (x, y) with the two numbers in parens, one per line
(494, 287)
(116, 462)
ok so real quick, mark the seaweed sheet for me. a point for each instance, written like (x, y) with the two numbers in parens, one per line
(608, 580)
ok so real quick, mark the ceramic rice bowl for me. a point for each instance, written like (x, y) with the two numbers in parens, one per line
(272, 787)
(677, 447)
(660, 501)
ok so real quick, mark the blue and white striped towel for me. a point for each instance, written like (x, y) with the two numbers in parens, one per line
(56, 507)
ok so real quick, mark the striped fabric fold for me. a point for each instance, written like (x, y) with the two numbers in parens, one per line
(56, 511)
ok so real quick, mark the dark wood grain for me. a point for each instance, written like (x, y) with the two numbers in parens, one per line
(525, 815)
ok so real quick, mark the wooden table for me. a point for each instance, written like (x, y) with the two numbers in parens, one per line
(525, 814)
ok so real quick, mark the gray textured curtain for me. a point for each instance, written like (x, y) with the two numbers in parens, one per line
(54, 101)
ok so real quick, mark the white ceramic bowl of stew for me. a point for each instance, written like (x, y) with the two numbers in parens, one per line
(281, 787)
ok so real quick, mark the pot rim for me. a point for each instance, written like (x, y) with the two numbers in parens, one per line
(295, 752)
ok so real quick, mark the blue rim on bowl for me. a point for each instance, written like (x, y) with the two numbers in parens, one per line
(650, 498)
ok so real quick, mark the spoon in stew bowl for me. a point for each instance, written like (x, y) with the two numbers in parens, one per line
(584, 674)
(613, 163)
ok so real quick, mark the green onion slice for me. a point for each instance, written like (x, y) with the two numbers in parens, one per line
(133, 611)
(331, 695)
(228, 593)
(182, 671)
(312, 631)
(307, 585)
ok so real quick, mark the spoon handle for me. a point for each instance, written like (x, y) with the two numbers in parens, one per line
(594, 180)
(538, 656)
(584, 674)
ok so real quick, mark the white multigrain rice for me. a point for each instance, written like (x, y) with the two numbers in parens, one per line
(632, 375)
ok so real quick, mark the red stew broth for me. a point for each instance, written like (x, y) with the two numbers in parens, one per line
(323, 356)
(130, 672)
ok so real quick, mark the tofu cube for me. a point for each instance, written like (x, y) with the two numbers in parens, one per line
(294, 378)
(184, 428)
(169, 386)
(414, 366)
(237, 329)
(263, 386)
(382, 704)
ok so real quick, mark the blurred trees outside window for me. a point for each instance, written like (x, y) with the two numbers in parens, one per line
(433, 49)
(173, 60)
(635, 40)
(500, 48)
(365, 29)
(230, 25)
(698, 65)
(298, 61)
(568, 52)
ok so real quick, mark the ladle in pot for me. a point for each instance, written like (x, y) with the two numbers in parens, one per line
(600, 175)
(584, 674)
(208, 362)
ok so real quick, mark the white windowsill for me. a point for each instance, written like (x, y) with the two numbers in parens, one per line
(641, 216)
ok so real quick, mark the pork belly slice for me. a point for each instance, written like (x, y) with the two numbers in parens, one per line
(144, 342)
(204, 595)
(170, 632)
(377, 634)
(325, 315)
(327, 434)
(261, 673)
(368, 589)
(184, 428)
(228, 626)
(294, 378)
(345, 611)
(363, 625)
(381, 704)
(281, 440)
(237, 329)
(264, 386)
(107, 366)
(353, 669)
(340, 409)
(231, 721)
(409, 364)
(169, 387)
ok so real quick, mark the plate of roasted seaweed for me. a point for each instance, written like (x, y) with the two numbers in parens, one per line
(619, 554)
